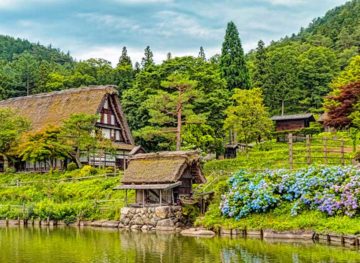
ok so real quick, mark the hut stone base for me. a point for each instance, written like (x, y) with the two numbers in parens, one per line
(165, 218)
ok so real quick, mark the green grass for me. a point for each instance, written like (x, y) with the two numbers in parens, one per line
(280, 219)
(273, 155)
(61, 196)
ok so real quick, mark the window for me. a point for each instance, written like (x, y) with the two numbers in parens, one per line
(106, 133)
(106, 104)
(105, 118)
(112, 119)
(117, 135)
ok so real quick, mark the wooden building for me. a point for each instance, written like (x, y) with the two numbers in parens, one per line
(163, 178)
(292, 122)
(53, 108)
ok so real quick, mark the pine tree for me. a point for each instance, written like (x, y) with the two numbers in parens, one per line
(124, 59)
(137, 67)
(259, 77)
(232, 61)
(148, 59)
(202, 54)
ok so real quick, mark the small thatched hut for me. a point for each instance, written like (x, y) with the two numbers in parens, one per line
(162, 178)
(53, 108)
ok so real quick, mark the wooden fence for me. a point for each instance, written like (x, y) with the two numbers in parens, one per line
(308, 150)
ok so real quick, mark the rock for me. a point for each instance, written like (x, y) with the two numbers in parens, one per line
(146, 228)
(125, 210)
(309, 235)
(165, 228)
(162, 211)
(135, 227)
(138, 221)
(225, 232)
(179, 224)
(97, 223)
(197, 232)
(166, 223)
(121, 225)
(111, 224)
(126, 221)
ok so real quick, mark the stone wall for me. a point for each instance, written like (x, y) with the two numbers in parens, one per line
(148, 218)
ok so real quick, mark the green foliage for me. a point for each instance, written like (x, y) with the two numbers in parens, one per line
(77, 133)
(150, 107)
(248, 117)
(61, 196)
(43, 146)
(11, 128)
(71, 166)
(232, 60)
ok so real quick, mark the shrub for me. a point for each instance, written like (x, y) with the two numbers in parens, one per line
(10, 170)
(332, 190)
(71, 167)
(87, 170)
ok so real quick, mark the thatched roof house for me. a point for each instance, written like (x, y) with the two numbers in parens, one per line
(162, 177)
(53, 108)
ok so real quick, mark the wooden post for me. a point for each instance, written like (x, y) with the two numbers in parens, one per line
(160, 197)
(308, 149)
(325, 150)
(342, 152)
(143, 197)
(126, 198)
(291, 160)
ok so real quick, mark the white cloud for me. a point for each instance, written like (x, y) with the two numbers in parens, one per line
(286, 2)
(112, 53)
(136, 2)
(174, 24)
(12, 4)
(117, 22)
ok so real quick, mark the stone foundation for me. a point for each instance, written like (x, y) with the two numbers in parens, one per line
(166, 218)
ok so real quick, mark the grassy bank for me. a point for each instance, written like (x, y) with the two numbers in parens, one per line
(80, 194)
(280, 219)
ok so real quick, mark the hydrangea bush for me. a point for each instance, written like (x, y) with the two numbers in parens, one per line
(332, 190)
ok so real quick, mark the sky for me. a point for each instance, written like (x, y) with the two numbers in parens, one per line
(100, 28)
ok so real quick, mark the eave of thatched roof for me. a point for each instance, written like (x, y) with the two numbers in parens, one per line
(147, 186)
(162, 167)
(53, 108)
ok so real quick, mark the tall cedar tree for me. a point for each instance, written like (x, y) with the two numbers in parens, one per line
(232, 60)
(260, 65)
(202, 53)
(148, 59)
(124, 72)
(124, 59)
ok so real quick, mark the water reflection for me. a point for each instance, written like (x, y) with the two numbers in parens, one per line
(108, 245)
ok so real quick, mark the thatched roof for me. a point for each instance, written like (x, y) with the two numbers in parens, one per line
(54, 107)
(301, 116)
(162, 167)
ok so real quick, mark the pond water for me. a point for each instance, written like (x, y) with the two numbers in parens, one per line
(67, 245)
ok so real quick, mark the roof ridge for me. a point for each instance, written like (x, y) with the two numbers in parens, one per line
(185, 154)
(61, 92)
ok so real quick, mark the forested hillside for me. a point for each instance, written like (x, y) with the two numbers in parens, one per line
(293, 74)
(10, 48)
(296, 72)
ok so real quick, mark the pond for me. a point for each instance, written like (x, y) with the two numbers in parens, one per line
(27, 245)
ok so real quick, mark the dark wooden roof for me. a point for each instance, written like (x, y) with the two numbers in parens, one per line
(162, 167)
(301, 116)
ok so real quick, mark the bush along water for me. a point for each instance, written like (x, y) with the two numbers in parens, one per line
(332, 190)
